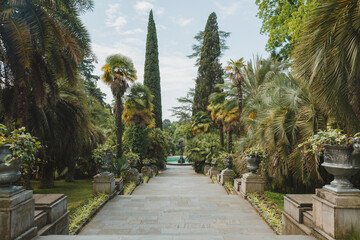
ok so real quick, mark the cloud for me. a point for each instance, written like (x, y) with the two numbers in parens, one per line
(228, 9)
(182, 21)
(113, 19)
(143, 7)
(133, 31)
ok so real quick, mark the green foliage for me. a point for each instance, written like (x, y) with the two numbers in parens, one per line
(23, 146)
(183, 112)
(229, 187)
(268, 210)
(256, 152)
(77, 192)
(201, 148)
(276, 198)
(315, 144)
(129, 188)
(283, 22)
(85, 212)
(132, 158)
(152, 72)
(99, 153)
(119, 166)
(352, 235)
(146, 179)
(209, 71)
(326, 60)
(136, 140)
(138, 107)
(159, 147)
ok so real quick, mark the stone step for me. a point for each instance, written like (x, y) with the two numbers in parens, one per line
(177, 237)
(40, 219)
(308, 218)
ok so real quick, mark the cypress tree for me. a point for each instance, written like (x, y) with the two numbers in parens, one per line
(209, 71)
(152, 72)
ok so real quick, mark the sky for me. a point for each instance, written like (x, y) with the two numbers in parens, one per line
(120, 27)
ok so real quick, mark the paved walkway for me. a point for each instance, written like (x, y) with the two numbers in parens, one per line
(178, 204)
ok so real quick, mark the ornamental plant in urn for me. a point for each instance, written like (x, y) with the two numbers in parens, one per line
(17, 151)
(341, 156)
(254, 156)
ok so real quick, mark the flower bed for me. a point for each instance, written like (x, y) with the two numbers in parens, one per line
(270, 212)
(229, 188)
(85, 212)
(146, 179)
(129, 188)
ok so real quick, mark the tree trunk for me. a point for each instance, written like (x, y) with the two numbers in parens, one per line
(222, 136)
(23, 108)
(229, 141)
(70, 175)
(118, 114)
(47, 175)
(240, 97)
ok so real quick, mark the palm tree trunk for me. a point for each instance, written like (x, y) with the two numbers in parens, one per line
(47, 175)
(221, 136)
(229, 141)
(240, 97)
(70, 175)
(118, 114)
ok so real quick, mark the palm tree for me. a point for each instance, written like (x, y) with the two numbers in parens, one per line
(327, 58)
(237, 77)
(139, 107)
(40, 42)
(118, 72)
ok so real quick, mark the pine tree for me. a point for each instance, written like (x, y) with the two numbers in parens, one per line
(152, 72)
(210, 71)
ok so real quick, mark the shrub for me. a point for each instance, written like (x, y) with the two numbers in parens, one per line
(159, 147)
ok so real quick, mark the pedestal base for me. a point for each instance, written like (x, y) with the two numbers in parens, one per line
(251, 183)
(206, 169)
(226, 175)
(104, 183)
(335, 214)
(214, 171)
(17, 216)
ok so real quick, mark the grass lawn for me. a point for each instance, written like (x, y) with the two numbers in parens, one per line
(277, 198)
(77, 192)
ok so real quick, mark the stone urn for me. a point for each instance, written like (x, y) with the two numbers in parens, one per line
(8, 174)
(252, 162)
(106, 164)
(228, 162)
(342, 161)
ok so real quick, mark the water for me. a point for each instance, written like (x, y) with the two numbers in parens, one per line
(174, 160)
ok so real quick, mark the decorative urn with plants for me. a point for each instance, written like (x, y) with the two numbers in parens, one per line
(103, 156)
(253, 157)
(133, 159)
(341, 156)
(228, 162)
(18, 151)
(146, 162)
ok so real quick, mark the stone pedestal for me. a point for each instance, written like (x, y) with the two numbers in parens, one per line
(104, 183)
(52, 216)
(251, 183)
(293, 217)
(214, 171)
(206, 169)
(119, 183)
(132, 175)
(335, 214)
(237, 184)
(147, 171)
(226, 176)
(17, 215)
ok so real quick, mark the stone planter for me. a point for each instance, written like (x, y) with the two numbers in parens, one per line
(8, 174)
(252, 163)
(340, 161)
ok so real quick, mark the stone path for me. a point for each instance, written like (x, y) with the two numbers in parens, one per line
(178, 204)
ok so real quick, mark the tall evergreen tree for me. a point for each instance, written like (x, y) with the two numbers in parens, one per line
(152, 72)
(210, 71)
